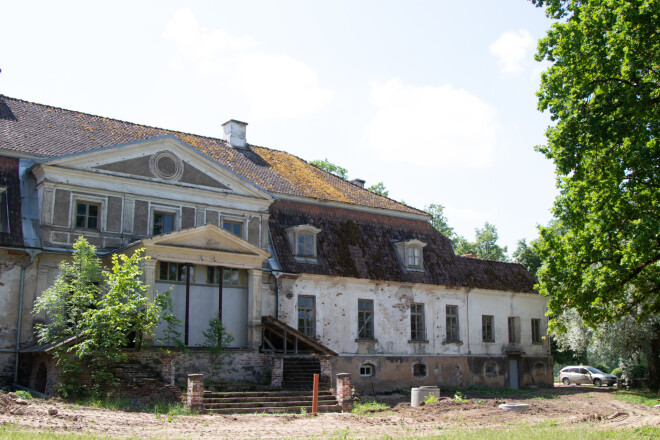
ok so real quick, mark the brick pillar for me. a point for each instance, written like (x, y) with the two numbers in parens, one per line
(344, 392)
(167, 368)
(326, 370)
(278, 373)
(196, 392)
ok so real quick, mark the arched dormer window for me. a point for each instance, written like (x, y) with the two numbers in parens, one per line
(411, 254)
(302, 239)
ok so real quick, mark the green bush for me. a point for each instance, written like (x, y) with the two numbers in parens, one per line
(618, 372)
(602, 367)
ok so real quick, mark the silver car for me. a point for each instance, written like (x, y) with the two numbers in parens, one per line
(585, 374)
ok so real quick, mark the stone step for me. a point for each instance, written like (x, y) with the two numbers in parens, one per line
(222, 394)
(241, 400)
(281, 409)
(271, 404)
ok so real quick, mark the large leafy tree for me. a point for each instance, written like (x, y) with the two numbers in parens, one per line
(330, 167)
(438, 219)
(92, 314)
(603, 93)
(484, 246)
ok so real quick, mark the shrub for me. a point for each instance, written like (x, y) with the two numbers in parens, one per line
(618, 372)
(639, 372)
(602, 367)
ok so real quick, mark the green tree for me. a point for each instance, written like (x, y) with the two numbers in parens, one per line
(92, 314)
(484, 246)
(528, 256)
(330, 167)
(603, 93)
(216, 340)
(379, 188)
(438, 219)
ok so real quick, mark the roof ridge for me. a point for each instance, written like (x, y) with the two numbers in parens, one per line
(115, 119)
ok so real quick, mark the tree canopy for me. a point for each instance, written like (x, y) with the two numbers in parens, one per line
(484, 246)
(602, 91)
(438, 219)
(330, 167)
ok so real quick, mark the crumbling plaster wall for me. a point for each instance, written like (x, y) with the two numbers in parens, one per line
(336, 316)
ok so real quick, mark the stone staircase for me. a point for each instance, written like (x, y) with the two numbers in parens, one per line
(299, 373)
(268, 402)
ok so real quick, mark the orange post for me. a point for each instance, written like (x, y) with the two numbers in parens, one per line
(315, 395)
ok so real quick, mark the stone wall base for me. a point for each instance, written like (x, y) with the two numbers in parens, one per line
(391, 373)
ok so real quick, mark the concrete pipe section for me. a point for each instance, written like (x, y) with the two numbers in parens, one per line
(419, 395)
(516, 407)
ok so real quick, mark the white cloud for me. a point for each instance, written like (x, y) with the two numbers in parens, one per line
(275, 85)
(431, 126)
(511, 49)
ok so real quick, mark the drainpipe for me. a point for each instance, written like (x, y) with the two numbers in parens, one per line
(32, 253)
(467, 296)
(277, 294)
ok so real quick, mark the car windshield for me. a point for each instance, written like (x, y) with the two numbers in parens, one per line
(594, 371)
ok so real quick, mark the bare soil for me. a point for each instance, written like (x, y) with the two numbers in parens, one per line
(571, 406)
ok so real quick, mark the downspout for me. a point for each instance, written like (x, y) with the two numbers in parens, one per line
(277, 294)
(32, 253)
(467, 295)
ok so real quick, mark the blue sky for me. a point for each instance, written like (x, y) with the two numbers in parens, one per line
(434, 98)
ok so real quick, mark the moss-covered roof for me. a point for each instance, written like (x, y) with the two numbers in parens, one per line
(359, 244)
(45, 131)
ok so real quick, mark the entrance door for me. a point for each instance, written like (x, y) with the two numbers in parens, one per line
(513, 374)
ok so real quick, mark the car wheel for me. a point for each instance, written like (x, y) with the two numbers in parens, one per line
(598, 382)
(566, 381)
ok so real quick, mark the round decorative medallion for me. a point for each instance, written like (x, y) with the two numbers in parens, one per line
(166, 166)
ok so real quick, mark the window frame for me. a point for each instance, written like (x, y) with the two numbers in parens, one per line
(293, 235)
(536, 331)
(179, 271)
(513, 324)
(411, 254)
(86, 216)
(487, 328)
(100, 202)
(370, 367)
(309, 323)
(365, 326)
(452, 329)
(417, 322)
(232, 222)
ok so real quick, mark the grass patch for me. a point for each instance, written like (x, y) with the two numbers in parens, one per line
(639, 397)
(498, 392)
(25, 395)
(368, 407)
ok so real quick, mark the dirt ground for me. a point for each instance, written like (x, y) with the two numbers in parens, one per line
(571, 406)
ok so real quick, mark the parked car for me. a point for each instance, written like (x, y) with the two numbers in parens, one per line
(585, 374)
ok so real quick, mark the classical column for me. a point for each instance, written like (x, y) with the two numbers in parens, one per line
(149, 277)
(254, 308)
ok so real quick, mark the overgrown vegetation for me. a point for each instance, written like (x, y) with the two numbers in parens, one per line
(369, 407)
(639, 397)
(93, 314)
(216, 340)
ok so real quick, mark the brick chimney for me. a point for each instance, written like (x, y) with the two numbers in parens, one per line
(235, 133)
(358, 182)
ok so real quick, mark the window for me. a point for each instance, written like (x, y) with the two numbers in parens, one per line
(305, 244)
(417, 327)
(414, 256)
(4, 210)
(306, 316)
(452, 323)
(163, 223)
(366, 370)
(87, 215)
(233, 227)
(490, 369)
(536, 331)
(410, 254)
(419, 371)
(230, 277)
(302, 239)
(487, 334)
(173, 271)
(514, 330)
(365, 319)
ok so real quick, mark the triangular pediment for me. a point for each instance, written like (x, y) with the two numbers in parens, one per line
(163, 160)
(209, 239)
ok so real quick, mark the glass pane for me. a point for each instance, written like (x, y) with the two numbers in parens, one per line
(234, 277)
(92, 222)
(168, 223)
(93, 210)
(80, 221)
(158, 223)
(305, 301)
(210, 275)
(81, 209)
(162, 275)
(172, 271)
(226, 276)
(242, 277)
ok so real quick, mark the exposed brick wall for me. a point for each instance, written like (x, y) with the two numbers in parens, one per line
(277, 372)
(195, 394)
(9, 178)
(344, 392)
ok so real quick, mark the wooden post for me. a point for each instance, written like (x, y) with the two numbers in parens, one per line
(315, 395)
(186, 327)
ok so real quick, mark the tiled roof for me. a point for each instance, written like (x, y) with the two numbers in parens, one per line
(361, 245)
(45, 131)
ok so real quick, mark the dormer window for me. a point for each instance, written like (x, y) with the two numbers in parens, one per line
(410, 252)
(302, 239)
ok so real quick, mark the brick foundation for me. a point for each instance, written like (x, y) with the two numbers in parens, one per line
(326, 370)
(344, 392)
